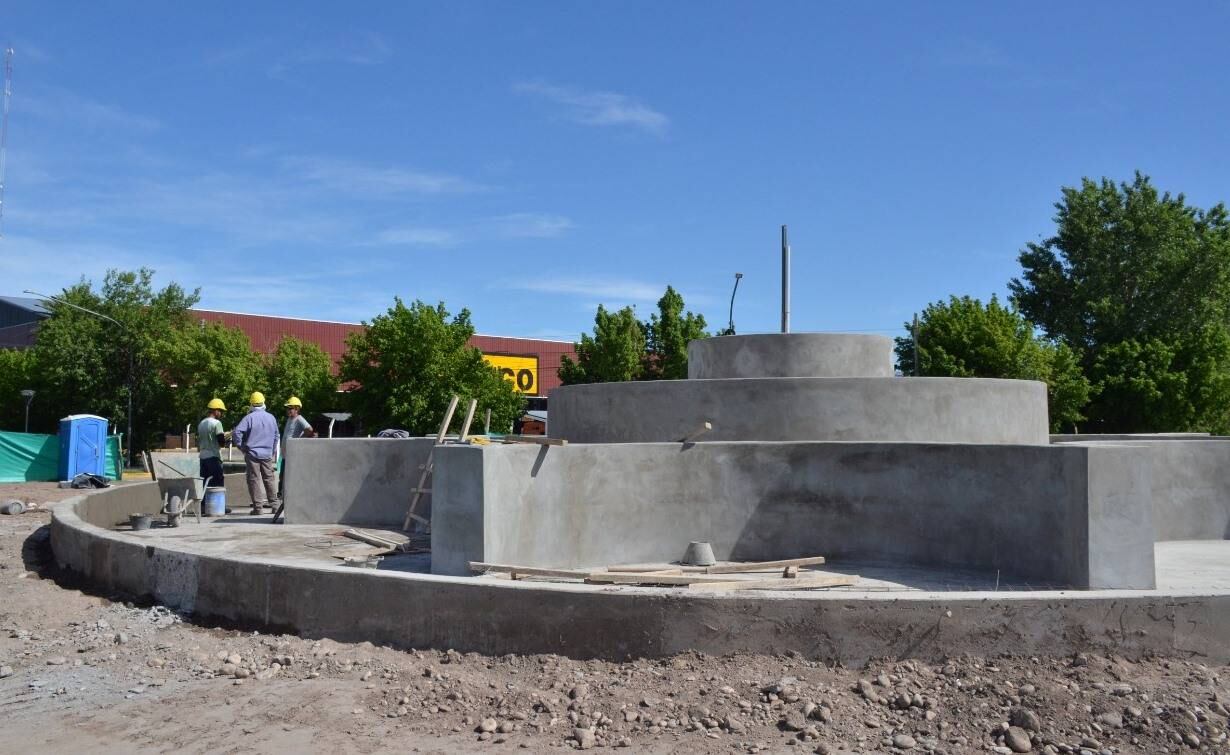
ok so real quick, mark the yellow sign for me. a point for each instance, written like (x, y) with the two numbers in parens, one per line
(522, 372)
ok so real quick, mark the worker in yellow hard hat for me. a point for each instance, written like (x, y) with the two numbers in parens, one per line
(257, 436)
(210, 438)
(296, 427)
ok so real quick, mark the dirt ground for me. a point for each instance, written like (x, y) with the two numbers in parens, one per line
(79, 670)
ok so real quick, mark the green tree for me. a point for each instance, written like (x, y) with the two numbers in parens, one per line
(411, 360)
(614, 353)
(209, 360)
(14, 378)
(81, 363)
(1137, 283)
(964, 338)
(624, 348)
(303, 369)
(667, 336)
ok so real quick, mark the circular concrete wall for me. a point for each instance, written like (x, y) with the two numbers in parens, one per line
(790, 355)
(920, 410)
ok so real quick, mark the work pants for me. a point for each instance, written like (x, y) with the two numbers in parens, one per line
(262, 481)
(211, 470)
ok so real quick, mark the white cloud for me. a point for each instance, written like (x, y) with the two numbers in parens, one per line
(532, 225)
(596, 288)
(62, 106)
(416, 236)
(598, 108)
(373, 181)
(361, 48)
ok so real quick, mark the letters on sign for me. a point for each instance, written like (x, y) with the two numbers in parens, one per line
(522, 372)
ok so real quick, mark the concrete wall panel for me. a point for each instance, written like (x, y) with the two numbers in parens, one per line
(922, 410)
(360, 481)
(1189, 484)
(1025, 510)
(790, 355)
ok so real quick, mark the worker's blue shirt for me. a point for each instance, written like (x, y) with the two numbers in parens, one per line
(257, 434)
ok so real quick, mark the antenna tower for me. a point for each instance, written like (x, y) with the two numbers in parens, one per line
(4, 126)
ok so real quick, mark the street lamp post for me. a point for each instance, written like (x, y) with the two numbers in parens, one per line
(730, 329)
(117, 324)
(29, 396)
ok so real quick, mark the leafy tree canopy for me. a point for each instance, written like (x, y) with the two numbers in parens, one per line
(411, 360)
(303, 369)
(1137, 284)
(624, 348)
(615, 352)
(964, 338)
(14, 378)
(81, 362)
(209, 360)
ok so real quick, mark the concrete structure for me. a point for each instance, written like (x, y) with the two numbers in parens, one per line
(265, 577)
(980, 507)
(357, 481)
(1190, 484)
(801, 387)
(949, 482)
(799, 355)
(917, 410)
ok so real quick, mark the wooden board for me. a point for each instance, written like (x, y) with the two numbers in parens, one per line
(541, 440)
(648, 578)
(763, 565)
(726, 568)
(798, 583)
(529, 571)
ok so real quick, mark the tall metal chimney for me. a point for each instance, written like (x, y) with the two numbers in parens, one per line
(785, 282)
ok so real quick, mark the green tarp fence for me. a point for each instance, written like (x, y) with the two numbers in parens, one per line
(30, 457)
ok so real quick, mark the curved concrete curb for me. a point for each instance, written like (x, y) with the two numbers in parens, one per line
(412, 610)
(910, 410)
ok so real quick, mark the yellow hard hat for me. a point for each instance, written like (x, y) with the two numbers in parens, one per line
(217, 404)
(257, 399)
(294, 401)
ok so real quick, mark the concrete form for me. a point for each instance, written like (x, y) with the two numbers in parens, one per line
(791, 355)
(359, 481)
(921, 410)
(294, 588)
(979, 507)
(946, 474)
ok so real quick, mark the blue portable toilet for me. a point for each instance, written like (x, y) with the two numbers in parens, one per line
(83, 445)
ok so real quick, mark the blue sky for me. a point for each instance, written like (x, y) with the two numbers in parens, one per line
(530, 160)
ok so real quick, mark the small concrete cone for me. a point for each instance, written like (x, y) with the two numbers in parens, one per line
(699, 554)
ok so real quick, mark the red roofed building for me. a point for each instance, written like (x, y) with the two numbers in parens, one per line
(265, 331)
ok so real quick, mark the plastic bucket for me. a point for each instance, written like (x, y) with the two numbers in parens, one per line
(215, 501)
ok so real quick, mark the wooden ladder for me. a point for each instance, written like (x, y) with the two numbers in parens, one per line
(424, 488)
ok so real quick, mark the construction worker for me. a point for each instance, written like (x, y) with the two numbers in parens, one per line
(257, 436)
(296, 427)
(210, 438)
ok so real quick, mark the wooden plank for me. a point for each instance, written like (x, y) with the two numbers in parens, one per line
(465, 426)
(371, 539)
(529, 571)
(448, 418)
(763, 565)
(651, 578)
(541, 440)
(748, 566)
(777, 583)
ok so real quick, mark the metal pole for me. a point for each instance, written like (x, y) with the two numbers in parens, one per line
(129, 438)
(730, 328)
(785, 282)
